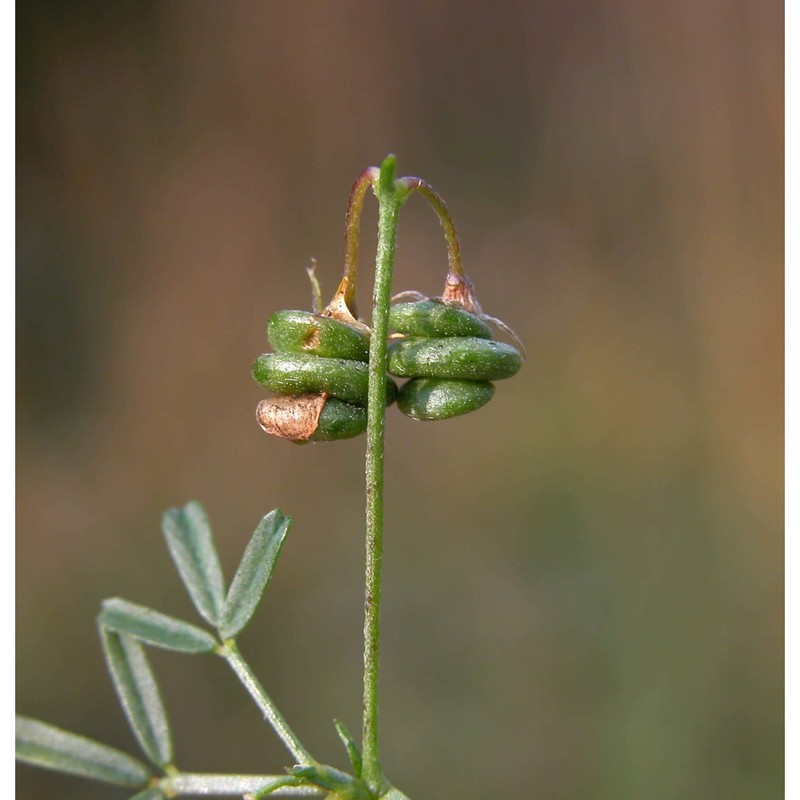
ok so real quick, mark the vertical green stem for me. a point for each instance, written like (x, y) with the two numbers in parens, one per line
(391, 195)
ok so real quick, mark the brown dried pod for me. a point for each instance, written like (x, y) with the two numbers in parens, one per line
(310, 418)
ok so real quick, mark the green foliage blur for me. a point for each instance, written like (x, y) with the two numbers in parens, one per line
(583, 579)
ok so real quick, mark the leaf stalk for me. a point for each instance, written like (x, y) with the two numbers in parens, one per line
(230, 652)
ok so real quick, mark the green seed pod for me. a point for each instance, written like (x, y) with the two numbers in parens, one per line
(311, 418)
(437, 398)
(305, 333)
(340, 420)
(436, 319)
(459, 358)
(298, 374)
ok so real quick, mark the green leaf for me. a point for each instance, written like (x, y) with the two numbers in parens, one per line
(324, 776)
(191, 545)
(254, 573)
(353, 751)
(138, 693)
(49, 747)
(154, 627)
(149, 794)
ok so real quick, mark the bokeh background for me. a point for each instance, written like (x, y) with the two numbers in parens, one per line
(584, 580)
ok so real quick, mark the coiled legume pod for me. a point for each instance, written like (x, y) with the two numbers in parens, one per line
(437, 398)
(449, 354)
(319, 371)
(456, 357)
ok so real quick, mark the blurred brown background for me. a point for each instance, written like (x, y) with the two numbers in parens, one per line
(584, 580)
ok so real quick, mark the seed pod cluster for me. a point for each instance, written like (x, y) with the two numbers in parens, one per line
(319, 372)
(450, 357)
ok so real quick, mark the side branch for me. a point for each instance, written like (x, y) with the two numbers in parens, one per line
(352, 227)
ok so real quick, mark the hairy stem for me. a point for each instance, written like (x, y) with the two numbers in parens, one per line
(448, 227)
(199, 783)
(230, 652)
(391, 195)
